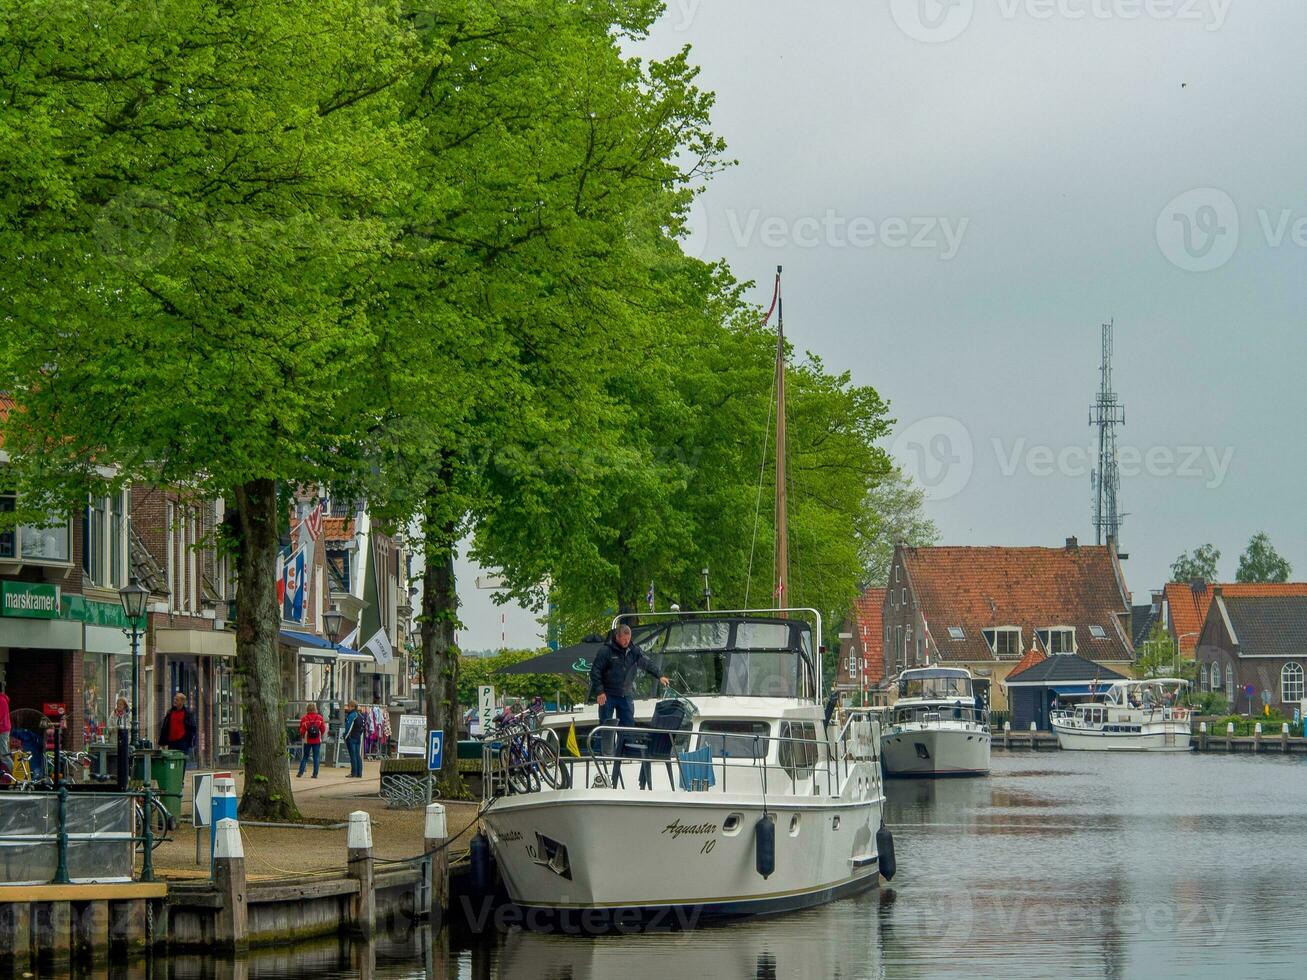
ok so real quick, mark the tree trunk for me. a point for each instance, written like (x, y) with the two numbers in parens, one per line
(268, 794)
(438, 622)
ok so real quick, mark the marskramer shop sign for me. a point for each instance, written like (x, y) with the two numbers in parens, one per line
(29, 600)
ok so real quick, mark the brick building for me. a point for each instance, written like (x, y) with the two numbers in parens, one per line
(1253, 649)
(862, 650)
(983, 608)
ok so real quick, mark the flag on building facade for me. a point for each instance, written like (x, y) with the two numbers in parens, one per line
(380, 648)
(293, 588)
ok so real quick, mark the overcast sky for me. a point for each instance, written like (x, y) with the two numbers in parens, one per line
(962, 192)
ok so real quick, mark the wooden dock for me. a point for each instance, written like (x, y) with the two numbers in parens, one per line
(1031, 741)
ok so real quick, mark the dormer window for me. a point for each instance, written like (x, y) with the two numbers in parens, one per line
(1004, 641)
(1059, 639)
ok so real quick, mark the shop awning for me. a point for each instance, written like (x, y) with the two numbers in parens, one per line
(316, 650)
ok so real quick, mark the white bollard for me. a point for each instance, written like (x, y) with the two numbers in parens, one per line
(1229, 728)
(1007, 726)
(1257, 729)
(1284, 728)
(360, 831)
(227, 840)
(435, 828)
(1032, 727)
(1202, 727)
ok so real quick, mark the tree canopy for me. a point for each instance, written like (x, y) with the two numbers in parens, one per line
(1197, 566)
(1260, 562)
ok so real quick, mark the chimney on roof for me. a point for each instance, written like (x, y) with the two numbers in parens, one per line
(1216, 591)
(1157, 601)
(1072, 544)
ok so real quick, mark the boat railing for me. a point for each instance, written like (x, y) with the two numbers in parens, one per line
(939, 717)
(617, 753)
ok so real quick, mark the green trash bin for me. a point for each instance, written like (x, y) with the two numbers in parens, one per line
(168, 771)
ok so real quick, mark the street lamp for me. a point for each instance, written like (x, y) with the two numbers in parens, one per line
(134, 596)
(332, 620)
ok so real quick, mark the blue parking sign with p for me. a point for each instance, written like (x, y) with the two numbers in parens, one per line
(435, 749)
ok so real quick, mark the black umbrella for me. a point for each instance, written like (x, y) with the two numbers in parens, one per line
(574, 660)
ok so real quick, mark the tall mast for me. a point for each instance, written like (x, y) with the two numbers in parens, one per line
(1106, 414)
(782, 517)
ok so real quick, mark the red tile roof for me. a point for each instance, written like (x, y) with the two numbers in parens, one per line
(1030, 588)
(869, 626)
(1033, 656)
(338, 528)
(7, 405)
(1187, 604)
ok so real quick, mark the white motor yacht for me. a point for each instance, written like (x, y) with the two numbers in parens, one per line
(741, 794)
(936, 727)
(1133, 716)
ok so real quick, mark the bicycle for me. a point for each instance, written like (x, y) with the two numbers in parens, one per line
(161, 822)
(527, 760)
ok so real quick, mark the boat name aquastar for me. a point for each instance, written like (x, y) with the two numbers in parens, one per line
(739, 794)
(1133, 716)
(937, 727)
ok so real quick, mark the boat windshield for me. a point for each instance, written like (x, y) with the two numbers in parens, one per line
(1162, 692)
(738, 657)
(937, 688)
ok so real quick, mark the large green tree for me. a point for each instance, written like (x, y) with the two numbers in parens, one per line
(549, 165)
(1260, 562)
(1197, 566)
(193, 201)
(893, 514)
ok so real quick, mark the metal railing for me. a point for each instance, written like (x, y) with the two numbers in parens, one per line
(148, 807)
(811, 760)
(928, 718)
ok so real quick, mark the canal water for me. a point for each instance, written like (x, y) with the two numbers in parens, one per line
(1059, 863)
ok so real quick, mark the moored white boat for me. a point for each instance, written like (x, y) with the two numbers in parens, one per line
(1134, 716)
(936, 728)
(753, 805)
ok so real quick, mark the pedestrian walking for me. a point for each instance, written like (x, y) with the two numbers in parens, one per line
(353, 735)
(312, 729)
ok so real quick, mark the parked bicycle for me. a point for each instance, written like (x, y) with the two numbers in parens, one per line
(526, 760)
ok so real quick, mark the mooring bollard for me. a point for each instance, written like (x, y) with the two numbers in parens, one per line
(1257, 738)
(436, 833)
(1202, 736)
(1229, 736)
(361, 870)
(1284, 736)
(1007, 733)
(231, 926)
(222, 806)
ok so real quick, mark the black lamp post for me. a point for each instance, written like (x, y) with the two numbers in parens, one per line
(134, 596)
(331, 622)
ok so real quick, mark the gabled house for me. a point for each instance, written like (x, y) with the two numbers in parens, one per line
(1253, 648)
(982, 608)
(862, 653)
(1185, 605)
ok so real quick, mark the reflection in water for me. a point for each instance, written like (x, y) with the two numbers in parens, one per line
(1074, 864)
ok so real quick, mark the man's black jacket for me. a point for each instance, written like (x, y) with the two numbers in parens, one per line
(613, 670)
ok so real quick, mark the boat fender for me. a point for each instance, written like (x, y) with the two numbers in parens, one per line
(764, 836)
(479, 853)
(885, 850)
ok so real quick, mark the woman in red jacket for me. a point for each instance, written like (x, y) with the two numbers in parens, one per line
(312, 729)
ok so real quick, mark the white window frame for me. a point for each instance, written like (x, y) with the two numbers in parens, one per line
(169, 552)
(991, 637)
(1216, 677)
(1097, 632)
(957, 633)
(1046, 635)
(904, 599)
(1205, 681)
(192, 559)
(100, 564)
(1299, 687)
(19, 534)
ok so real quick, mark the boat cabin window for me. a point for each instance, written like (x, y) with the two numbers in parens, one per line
(738, 739)
(740, 658)
(800, 755)
(940, 688)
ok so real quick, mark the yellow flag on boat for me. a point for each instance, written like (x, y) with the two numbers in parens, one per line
(571, 743)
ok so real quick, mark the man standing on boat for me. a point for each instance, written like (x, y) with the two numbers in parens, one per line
(612, 678)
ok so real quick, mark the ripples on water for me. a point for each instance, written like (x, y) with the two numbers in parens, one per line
(1066, 864)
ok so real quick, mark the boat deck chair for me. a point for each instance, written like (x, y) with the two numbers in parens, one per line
(696, 769)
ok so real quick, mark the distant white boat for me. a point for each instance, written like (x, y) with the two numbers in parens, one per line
(936, 727)
(1134, 716)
